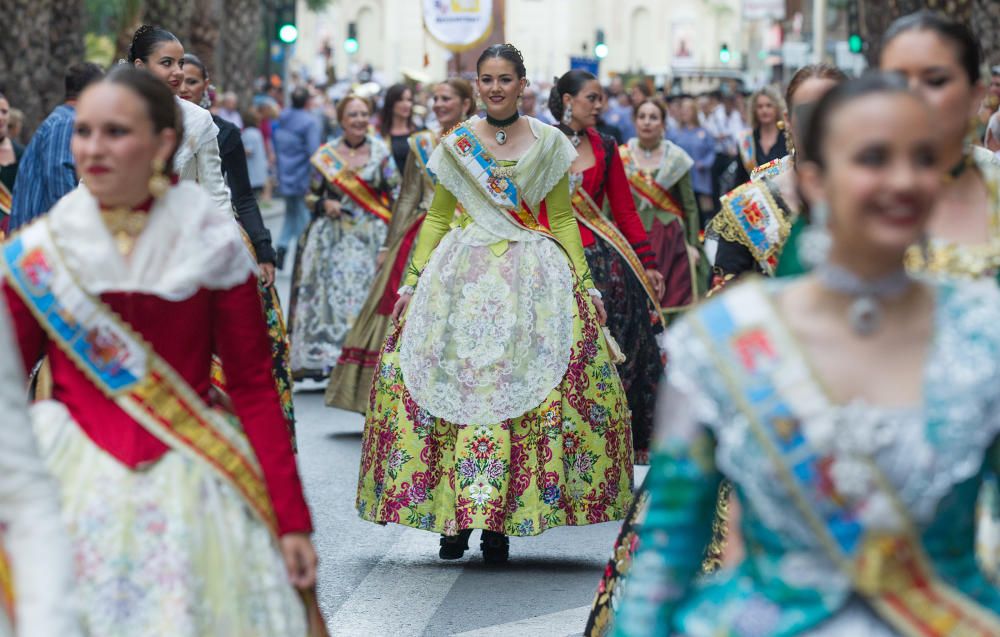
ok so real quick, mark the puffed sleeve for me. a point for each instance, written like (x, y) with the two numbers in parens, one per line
(683, 483)
(240, 339)
(564, 227)
(622, 204)
(35, 539)
(436, 224)
(209, 165)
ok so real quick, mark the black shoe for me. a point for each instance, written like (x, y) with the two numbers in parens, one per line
(495, 547)
(279, 258)
(454, 546)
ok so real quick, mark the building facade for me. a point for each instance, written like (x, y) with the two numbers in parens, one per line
(655, 37)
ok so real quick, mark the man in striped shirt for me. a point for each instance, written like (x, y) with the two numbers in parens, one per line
(47, 171)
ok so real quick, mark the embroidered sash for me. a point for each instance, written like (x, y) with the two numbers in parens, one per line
(775, 389)
(589, 215)
(6, 199)
(493, 180)
(772, 168)
(422, 145)
(127, 369)
(338, 173)
(748, 150)
(751, 216)
(647, 187)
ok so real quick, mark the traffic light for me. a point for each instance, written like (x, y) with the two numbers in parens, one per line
(288, 33)
(351, 43)
(285, 30)
(854, 40)
(600, 48)
(724, 55)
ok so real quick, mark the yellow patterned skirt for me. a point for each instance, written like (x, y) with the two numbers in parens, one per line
(567, 462)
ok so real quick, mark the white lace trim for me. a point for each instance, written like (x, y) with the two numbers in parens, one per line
(674, 164)
(923, 452)
(188, 244)
(488, 336)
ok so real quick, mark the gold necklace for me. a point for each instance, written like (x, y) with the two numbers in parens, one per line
(125, 226)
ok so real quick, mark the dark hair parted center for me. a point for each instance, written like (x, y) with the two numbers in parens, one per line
(507, 52)
(968, 51)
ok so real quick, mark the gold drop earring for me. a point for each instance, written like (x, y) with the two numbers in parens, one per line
(159, 182)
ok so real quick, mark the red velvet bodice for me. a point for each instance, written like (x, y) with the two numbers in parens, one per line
(184, 333)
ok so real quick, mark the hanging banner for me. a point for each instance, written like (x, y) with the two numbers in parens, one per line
(458, 25)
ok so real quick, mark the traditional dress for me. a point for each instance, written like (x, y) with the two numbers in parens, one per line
(36, 563)
(657, 195)
(618, 254)
(751, 228)
(752, 155)
(613, 582)
(496, 405)
(8, 175)
(173, 507)
(335, 259)
(667, 206)
(351, 380)
(858, 519)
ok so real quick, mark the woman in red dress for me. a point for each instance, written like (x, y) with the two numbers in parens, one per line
(185, 519)
(621, 259)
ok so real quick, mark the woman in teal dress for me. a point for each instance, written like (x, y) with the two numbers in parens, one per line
(496, 404)
(856, 439)
(807, 85)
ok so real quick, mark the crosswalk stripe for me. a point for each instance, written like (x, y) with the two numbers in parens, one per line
(400, 595)
(562, 624)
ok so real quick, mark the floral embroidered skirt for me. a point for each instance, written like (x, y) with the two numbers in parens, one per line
(281, 366)
(170, 549)
(334, 269)
(566, 462)
(609, 591)
(630, 323)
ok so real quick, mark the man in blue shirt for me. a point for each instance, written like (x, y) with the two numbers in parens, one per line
(47, 171)
(296, 138)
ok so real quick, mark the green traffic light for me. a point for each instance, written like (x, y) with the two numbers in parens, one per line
(724, 55)
(351, 45)
(855, 43)
(288, 33)
(601, 51)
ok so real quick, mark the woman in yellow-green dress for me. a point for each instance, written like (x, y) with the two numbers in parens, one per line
(496, 404)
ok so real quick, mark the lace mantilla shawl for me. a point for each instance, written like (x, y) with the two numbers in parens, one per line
(188, 244)
(535, 174)
(489, 331)
(199, 129)
(923, 452)
(674, 164)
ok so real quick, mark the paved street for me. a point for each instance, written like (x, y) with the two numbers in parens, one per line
(389, 581)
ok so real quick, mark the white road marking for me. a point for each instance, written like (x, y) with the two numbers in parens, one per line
(400, 595)
(561, 624)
